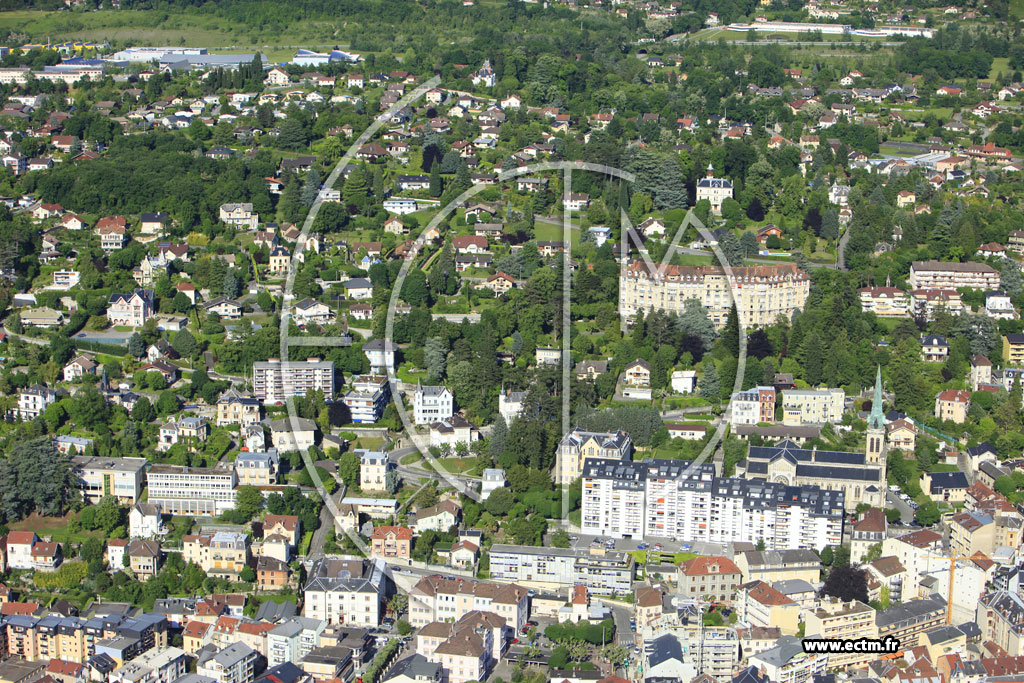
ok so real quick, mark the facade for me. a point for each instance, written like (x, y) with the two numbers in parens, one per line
(752, 406)
(577, 446)
(239, 215)
(391, 541)
(373, 470)
(368, 397)
(274, 381)
(710, 577)
(601, 572)
(760, 605)
(761, 293)
(225, 553)
(1001, 617)
(812, 406)
(664, 498)
(192, 490)
(788, 663)
(119, 477)
(952, 404)
(715, 190)
(942, 275)
(346, 591)
(431, 404)
(439, 599)
(772, 566)
(131, 310)
(33, 400)
(835, 619)
(257, 468)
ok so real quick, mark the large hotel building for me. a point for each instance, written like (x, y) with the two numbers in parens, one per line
(660, 498)
(761, 293)
(943, 275)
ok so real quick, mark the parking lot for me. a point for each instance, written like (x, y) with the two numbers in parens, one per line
(667, 545)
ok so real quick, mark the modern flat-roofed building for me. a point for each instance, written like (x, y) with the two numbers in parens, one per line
(118, 477)
(192, 490)
(943, 275)
(274, 381)
(761, 293)
(672, 499)
(602, 572)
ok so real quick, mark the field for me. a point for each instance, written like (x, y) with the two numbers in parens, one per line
(163, 28)
(56, 527)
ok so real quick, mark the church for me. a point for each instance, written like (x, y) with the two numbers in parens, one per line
(861, 476)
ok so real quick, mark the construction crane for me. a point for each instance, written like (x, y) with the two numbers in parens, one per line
(953, 559)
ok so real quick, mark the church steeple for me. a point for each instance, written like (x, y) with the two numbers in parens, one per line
(875, 448)
(877, 418)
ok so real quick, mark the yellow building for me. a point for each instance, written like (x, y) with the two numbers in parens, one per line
(1013, 349)
(761, 293)
(838, 620)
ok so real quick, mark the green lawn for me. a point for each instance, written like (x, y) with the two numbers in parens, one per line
(307, 539)
(547, 232)
(457, 465)
(999, 65)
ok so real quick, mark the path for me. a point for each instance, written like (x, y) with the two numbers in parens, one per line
(30, 340)
(316, 545)
(841, 250)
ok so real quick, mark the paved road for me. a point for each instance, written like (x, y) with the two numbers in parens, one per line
(680, 412)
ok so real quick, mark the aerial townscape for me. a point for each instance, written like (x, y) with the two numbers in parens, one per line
(505, 341)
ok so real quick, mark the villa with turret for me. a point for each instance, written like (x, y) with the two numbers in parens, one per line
(860, 476)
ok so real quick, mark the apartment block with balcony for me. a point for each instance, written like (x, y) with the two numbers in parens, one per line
(275, 380)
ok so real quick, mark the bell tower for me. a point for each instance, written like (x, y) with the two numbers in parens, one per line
(875, 449)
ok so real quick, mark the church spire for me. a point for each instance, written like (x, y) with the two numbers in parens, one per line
(877, 419)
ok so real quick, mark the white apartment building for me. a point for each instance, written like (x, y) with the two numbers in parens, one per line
(812, 406)
(34, 400)
(118, 477)
(192, 490)
(761, 293)
(942, 275)
(157, 665)
(274, 381)
(666, 499)
(346, 590)
(236, 663)
(432, 404)
(919, 552)
(293, 639)
(788, 663)
(368, 397)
